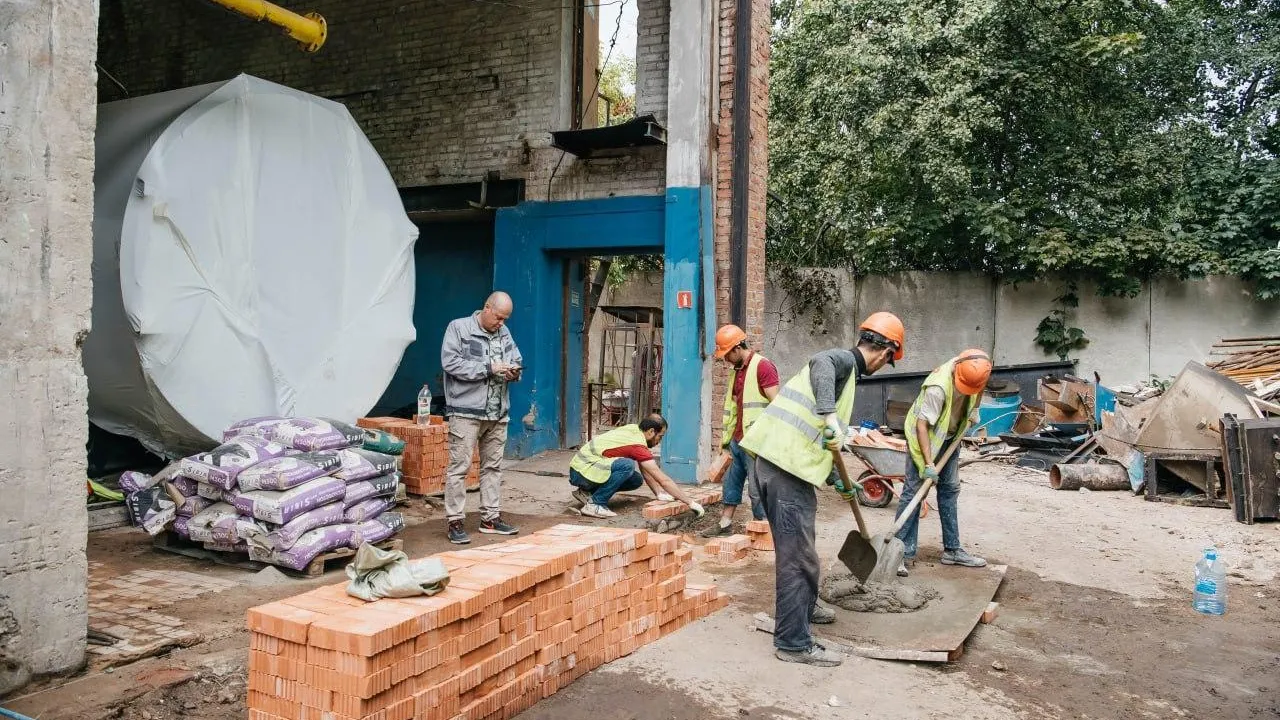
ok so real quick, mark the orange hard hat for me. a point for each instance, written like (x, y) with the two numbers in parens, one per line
(972, 370)
(888, 326)
(728, 338)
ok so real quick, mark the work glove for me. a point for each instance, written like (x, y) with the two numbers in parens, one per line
(697, 509)
(664, 497)
(849, 494)
(931, 473)
(834, 436)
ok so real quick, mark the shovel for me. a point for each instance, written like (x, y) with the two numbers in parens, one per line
(878, 558)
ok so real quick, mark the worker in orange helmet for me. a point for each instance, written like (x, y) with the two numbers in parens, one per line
(946, 407)
(753, 383)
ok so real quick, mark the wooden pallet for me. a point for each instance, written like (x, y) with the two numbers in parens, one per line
(317, 567)
(172, 542)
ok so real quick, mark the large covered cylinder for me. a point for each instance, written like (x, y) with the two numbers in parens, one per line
(251, 257)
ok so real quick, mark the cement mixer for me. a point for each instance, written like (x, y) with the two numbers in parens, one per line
(251, 257)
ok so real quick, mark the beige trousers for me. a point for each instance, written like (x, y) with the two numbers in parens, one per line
(464, 434)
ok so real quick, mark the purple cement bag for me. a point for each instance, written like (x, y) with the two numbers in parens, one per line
(132, 482)
(231, 531)
(227, 547)
(310, 545)
(252, 427)
(185, 485)
(220, 465)
(377, 529)
(193, 505)
(271, 537)
(381, 486)
(360, 464)
(200, 526)
(288, 471)
(311, 434)
(282, 506)
(180, 526)
(368, 509)
(150, 509)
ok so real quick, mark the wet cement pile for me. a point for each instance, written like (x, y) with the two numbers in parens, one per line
(843, 590)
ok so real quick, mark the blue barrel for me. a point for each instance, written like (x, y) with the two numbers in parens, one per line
(997, 414)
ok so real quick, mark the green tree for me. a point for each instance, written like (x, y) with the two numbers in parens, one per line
(618, 86)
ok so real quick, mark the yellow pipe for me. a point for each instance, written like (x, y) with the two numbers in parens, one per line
(309, 30)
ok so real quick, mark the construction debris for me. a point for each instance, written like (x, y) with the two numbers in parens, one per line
(1093, 476)
(1253, 362)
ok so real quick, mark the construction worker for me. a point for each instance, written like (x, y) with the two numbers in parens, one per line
(793, 460)
(621, 459)
(753, 383)
(938, 417)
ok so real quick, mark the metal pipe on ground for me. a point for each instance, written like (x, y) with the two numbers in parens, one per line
(1099, 476)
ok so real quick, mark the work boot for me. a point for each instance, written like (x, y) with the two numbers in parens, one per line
(822, 615)
(717, 530)
(815, 655)
(962, 558)
(597, 511)
(497, 526)
(582, 497)
(902, 570)
(457, 534)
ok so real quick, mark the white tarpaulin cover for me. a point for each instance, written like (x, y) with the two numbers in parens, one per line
(251, 257)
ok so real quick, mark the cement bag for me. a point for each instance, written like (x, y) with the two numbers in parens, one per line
(377, 529)
(150, 509)
(368, 509)
(381, 441)
(180, 526)
(185, 486)
(200, 526)
(310, 545)
(220, 466)
(194, 505)
(251, 257)
(381, 486)
(227, 547)
(229, 531)
(132, 481)
(286, 472)
(311, 434)
(253, 427)
(281, 506)
(271, 537)
(378, 573)
(360, 464)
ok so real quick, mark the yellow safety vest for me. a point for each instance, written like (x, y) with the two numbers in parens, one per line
(590, 460)
(943, 377)
(753, 401)
(789, 432)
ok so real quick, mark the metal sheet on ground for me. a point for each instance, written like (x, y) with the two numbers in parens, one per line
(934, 634)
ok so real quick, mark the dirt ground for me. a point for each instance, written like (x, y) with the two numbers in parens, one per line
(1094, 622)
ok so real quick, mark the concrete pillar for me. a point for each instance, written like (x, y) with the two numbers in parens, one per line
(688, 297)
(47, 114)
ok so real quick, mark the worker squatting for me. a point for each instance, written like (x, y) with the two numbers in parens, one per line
(780, 438)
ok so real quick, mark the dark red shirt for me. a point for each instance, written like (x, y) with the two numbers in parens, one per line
(639, 453)
(766, 377)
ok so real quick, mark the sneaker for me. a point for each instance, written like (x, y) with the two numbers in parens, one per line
(582, 497)
(717, 530)
(822, 615)
(458, 535)
(815, 655)
(597, 511)
(962, 558)
(497, 526)
(902, 570)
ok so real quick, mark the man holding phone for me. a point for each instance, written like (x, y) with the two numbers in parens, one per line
(479, 358)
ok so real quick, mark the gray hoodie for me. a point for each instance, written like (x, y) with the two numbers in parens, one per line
(467, 354)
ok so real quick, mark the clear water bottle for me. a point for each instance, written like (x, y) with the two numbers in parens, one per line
(424, 405)
(1211, 584)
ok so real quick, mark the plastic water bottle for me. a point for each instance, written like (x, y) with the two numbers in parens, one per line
(424, 405)
(1211, 584)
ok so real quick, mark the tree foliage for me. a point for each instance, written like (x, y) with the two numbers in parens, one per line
(1107, 139)
(618, 86)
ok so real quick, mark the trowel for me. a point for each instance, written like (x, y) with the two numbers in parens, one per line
(877, 559)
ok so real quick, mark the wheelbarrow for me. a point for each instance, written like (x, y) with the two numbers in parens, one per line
(883, 481)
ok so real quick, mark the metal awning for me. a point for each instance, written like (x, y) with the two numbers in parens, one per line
(611, 140)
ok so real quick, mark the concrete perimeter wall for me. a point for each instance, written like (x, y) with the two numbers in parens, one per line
(47, 111)
(1157, 332)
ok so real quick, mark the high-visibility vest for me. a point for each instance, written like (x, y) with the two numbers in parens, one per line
(943, 377)
(753, 401)
(789, 432)
(590, 460)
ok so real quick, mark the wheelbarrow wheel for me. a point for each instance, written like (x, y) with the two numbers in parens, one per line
(875, 492)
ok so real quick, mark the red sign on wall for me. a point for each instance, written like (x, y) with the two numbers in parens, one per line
(684, 299)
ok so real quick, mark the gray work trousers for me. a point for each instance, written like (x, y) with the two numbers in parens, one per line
(791, 504)
(464, 435)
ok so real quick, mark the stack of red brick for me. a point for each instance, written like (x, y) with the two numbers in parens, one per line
(658, 509)
(518, 621)
(728, 549)
(426, 453)
(761, 538)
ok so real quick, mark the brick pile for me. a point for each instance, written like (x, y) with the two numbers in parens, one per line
(658, 509)
(761, 538)
(715, 474)
(728, 549)
(426, 453)
(518, 621)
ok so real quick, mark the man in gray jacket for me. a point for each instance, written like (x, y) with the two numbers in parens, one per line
(479, 359)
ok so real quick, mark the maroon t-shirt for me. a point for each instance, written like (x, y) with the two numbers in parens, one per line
(766, 377)
(639, 453)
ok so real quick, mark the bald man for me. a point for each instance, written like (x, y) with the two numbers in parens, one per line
(479, 360)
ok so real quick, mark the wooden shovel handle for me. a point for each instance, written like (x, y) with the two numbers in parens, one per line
(853, 504)
(923, 492)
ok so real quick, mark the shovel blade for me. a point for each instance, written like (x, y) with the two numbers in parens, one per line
(890, 552)
(859, 555)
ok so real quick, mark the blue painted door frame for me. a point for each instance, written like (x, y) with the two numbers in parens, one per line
(540, 245)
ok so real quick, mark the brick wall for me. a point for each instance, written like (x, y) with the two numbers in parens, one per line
(445, 90)
(757, 190)
(652, 57)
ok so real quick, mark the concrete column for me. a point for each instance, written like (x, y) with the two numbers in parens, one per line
(47, 114)
(686, 386)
